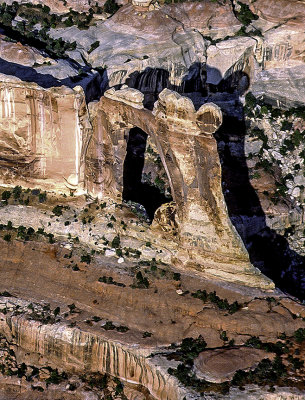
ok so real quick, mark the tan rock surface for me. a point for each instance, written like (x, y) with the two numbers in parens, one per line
(220, 365)
(20, 54)
(51, 140)
(290, 12)
(42, 132)
(152, 312)
(210, 19)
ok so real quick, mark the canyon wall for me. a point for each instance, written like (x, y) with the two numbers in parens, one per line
(47, 140)
(43, 134)
(76, 351)
(201, 48)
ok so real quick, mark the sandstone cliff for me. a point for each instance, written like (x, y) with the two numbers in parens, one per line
(207, 100)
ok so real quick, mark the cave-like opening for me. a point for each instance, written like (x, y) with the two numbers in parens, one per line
(135, 188)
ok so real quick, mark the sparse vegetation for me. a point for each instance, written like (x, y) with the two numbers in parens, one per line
(86, 258)
(94, 46)
(266, 373)
(299, 335)
(141, 282)
(245, 15)
(109, 280)
(111, 7)
(222, 304)
(57, 210)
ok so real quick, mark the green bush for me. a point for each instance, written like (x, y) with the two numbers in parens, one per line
(111, 7)
(176, 276)
(57, 210)
(17, 192)
(7, 237)
(55, 377)
(108, 326)
(190, 349)
(116, 242)
(222, 304)
(141, 282)
(94, 46)
(245, 15)
(286, 126)
(122, 329)
(86, 258)
(6, 195)
(299, 335)
(109, 280)
(267, 372)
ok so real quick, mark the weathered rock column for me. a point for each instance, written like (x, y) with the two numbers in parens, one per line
(105, 157)
(209, 241)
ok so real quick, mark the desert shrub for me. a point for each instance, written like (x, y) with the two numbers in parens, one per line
(50, 237)
(176, 276)
(110, 7)
(6, 195)
(7, 237)
(109, 280)
(286, 126)
(122, 328)
(185, 375)
(57, 210)
(17, 192)
(190, 349)
(94, 46)
(55, 377)
(86, 258)
(108, 326)
(267, 372)
(141, 281)
(56, 311)
(295, 362)
(278, 348)
(245, 15)
(222, 304)
(42, 197)
(116, 242)
(299, 335)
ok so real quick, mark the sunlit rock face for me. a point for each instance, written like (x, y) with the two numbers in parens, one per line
(174, 44)
(42, 133)
(19, 54)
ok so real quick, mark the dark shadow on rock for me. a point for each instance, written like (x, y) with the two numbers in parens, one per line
(152, 81)
(269, 251)
(134, 189)
(91, 83)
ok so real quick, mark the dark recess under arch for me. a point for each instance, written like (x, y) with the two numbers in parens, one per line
(133, 187)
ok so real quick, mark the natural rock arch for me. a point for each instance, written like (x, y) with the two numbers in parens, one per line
(184, 139)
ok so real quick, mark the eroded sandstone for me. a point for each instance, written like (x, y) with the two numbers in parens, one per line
(189, 273)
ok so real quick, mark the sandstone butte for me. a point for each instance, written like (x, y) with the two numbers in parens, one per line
(152, 181)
